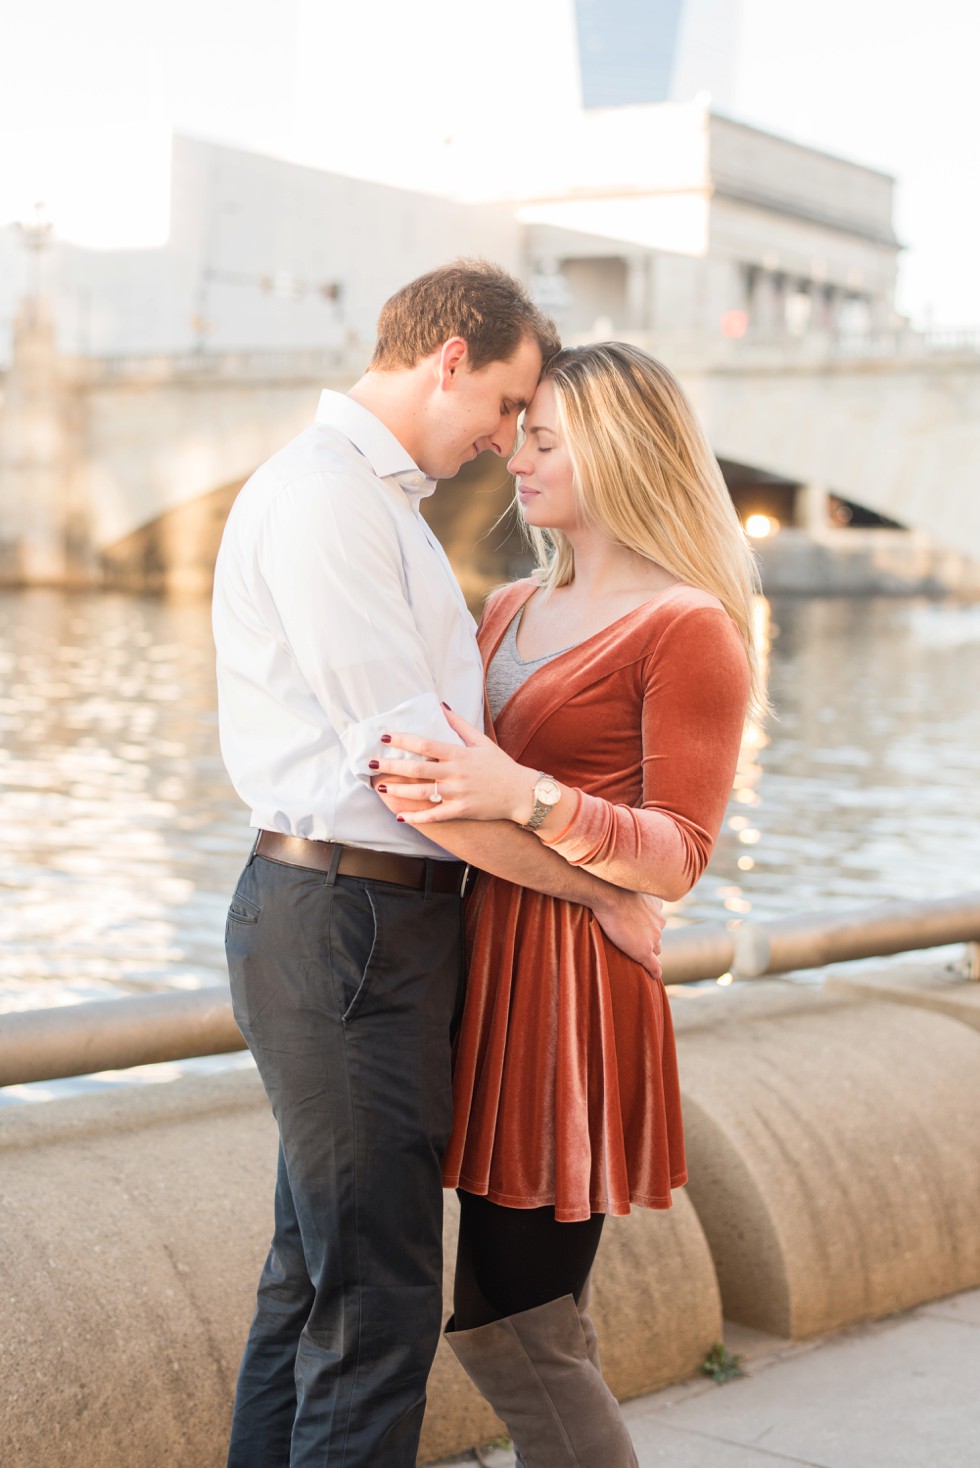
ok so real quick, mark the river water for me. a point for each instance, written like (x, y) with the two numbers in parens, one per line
(122, 839)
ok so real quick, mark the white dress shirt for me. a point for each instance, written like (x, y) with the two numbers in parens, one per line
(336, 618)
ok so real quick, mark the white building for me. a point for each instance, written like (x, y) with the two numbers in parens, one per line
(656, 221)
(671, 220)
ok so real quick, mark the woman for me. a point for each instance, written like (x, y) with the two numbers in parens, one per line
(617, 680)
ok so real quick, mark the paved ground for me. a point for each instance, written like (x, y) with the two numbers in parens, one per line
(901, 1393)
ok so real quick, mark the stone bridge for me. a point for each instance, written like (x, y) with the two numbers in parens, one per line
(123, 469)
(897, 432)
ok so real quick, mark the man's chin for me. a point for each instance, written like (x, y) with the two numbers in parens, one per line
(449, 470)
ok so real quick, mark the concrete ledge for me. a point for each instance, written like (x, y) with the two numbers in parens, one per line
(130, 1107)
(133, 1225)
(830, 1142)
(128, 1250)
(832, 1147)
(922, 987)
(656, 1302)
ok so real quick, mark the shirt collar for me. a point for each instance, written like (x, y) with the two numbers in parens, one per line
(387, 457)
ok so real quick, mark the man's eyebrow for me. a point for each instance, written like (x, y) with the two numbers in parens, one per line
(517, 405)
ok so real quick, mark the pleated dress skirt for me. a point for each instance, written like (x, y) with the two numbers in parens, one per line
(565, 1072)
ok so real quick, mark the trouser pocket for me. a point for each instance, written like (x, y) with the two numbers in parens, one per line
(354, 946)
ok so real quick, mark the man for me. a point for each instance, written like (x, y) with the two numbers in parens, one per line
(336, 617)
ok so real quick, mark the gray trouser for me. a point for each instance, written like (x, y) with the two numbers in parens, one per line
(346, 991)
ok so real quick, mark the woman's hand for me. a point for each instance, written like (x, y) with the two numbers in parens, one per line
(476, 783)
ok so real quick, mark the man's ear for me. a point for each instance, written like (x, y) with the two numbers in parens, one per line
(453, 357)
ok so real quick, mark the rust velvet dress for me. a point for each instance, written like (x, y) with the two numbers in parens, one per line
(565, 1074)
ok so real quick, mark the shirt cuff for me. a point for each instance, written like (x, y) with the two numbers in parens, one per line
(422, 715)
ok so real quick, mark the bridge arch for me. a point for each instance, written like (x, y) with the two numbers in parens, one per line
(175, 551)
(899, 436)
(143, 457)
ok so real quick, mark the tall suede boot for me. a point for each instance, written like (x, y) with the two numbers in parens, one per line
(591, 1342)
(588, 1329)
(535, 1371)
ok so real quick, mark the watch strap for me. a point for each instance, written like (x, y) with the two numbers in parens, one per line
(541, 807)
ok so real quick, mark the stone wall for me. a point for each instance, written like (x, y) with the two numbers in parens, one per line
(829, 1144)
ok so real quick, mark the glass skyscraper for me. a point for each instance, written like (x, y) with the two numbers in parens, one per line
(638, 51)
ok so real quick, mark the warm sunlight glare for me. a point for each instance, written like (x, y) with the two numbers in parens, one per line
(103, 187)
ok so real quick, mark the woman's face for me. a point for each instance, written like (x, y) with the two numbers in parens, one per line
(543, 468)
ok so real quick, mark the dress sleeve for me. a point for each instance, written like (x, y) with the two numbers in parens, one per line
(695, 694)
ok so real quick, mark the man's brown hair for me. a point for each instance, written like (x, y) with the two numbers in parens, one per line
(472, 299)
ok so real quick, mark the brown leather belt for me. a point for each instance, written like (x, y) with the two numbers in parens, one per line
(420, 872)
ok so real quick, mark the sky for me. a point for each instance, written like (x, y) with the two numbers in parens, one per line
(388, 89)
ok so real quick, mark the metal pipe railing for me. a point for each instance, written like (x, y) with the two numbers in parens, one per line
(115, 1034)
(700, 951)
(870, 932)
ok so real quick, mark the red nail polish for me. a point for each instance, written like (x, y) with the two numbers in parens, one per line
(373, 764)
(382, 788)
(386, 739)
(400, 818)
(446, 706)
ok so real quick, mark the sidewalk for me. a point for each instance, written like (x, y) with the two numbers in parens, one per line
(900, 1393)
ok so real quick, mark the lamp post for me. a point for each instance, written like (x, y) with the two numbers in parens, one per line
(37, 443)
(36, 236)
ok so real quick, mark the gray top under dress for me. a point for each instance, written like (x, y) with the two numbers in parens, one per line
(507, 670)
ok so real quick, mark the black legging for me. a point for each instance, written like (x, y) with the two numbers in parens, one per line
(512, 1259)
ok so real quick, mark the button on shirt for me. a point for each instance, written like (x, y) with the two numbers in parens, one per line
(336, 618)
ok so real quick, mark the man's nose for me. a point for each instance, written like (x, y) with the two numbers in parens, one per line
(501, 440)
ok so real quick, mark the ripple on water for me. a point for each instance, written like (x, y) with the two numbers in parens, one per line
(123, 839)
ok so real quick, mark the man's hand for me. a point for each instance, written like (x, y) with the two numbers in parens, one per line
(634, 922)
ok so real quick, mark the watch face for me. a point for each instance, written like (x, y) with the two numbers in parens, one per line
(547, 791)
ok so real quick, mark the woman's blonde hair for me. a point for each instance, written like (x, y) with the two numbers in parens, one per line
(646, 476)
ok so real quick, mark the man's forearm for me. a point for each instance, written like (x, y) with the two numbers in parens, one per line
(504, 850)
(631, 920)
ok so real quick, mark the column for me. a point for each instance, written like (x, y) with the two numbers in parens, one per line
(34, 456)
(812, 510)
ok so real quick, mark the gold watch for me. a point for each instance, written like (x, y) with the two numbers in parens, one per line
(547, 793)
